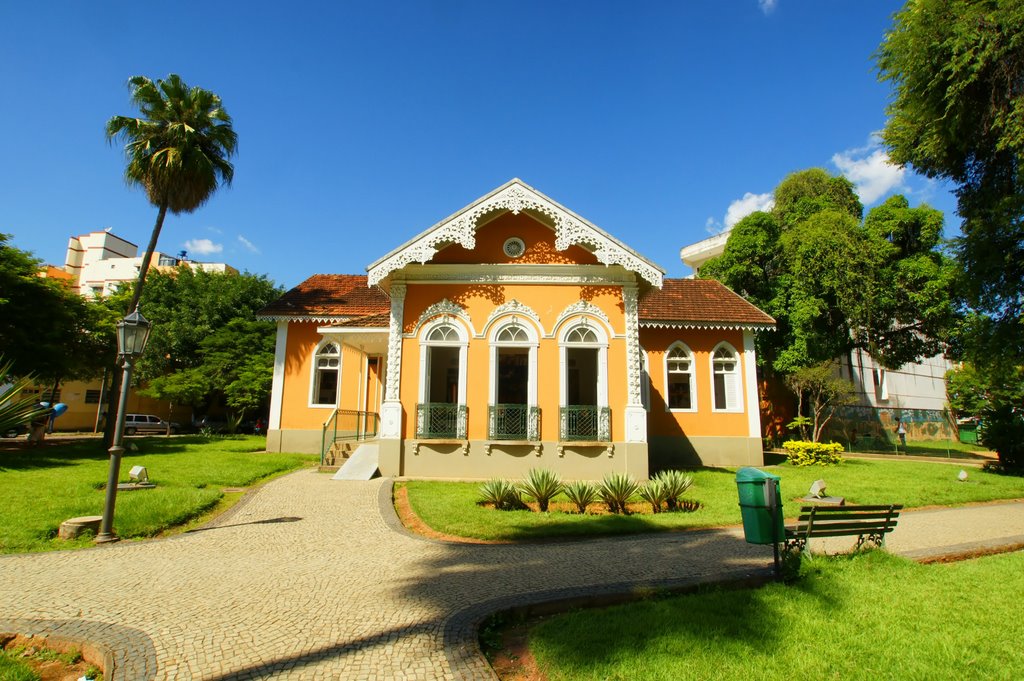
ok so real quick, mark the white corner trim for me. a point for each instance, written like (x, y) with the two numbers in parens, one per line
(753, 400)
(277, 384)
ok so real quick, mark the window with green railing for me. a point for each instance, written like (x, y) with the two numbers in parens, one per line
(441, 420)
(513, 422)
(585, 422)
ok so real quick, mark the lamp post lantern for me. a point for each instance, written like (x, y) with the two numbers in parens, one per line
(132, 334)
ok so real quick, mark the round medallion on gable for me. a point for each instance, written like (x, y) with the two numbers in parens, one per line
(514, 247)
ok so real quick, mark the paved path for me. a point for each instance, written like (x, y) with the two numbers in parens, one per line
(314, 579)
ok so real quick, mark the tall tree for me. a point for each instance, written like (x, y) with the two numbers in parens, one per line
(177, 151)
(835, 283)
(957, 72)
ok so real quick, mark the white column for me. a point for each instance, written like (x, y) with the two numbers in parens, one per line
(636, 415)
(277, 385)
(391, 410)
(752, 401)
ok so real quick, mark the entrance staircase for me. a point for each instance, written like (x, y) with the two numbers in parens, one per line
(361, 464)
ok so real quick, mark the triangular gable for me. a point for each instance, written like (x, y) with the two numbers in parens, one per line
(515, 196)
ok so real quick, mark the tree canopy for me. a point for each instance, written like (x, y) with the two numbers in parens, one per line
(834, 282)
(206, 345)
(957, 72)
(46, 328)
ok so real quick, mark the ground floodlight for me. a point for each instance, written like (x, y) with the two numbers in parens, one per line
(817, 489)
(138, 474)
(962, 475)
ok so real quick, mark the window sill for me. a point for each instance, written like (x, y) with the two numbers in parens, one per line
(463, 445)
(608, 447)
(537, 445)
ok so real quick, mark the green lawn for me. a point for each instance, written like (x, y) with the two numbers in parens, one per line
(870, 616)
(43, 487)
(450, 507)
(931, 448)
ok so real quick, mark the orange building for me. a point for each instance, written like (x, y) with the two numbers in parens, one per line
(515, 334)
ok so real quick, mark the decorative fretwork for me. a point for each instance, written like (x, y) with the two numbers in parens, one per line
(394, 369)
(442, 307)
(513, 422)
(584, 307)
(513, 307)
(634, 362)
(569, 230)
(585, 423)
(441, 420)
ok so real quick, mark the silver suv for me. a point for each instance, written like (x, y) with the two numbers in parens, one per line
(147, 423)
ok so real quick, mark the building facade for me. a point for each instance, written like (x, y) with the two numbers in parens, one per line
(515, 334)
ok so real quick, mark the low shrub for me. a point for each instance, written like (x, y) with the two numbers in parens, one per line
(1002, 431)
(615, 491)
(582, 493)
(802, 453)
(654, 493)
(502, 494)
(542, 486)
(675, 484)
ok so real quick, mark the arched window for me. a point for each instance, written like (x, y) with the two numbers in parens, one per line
(513, 412)
(441, 411)
(585, 413)
(679, 378)
(725, 370)
(326, 374)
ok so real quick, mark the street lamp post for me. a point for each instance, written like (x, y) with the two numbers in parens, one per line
(132, 334)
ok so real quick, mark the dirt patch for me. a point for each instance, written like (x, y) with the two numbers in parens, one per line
(414, 523)
(513, 661)
(52, 660)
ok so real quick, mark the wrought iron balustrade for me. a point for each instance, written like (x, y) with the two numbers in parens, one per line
(348, 424)
(513, 422)
(441, 420)
(585, 422)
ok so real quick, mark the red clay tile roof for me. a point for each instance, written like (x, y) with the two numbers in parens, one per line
(370, 321)
(325, 296)
(698, 302)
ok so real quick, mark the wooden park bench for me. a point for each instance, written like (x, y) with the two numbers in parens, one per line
(867, 523)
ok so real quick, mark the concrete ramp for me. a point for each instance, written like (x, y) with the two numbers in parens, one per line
(362, 465)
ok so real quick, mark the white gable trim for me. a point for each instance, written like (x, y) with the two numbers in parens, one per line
(515, 196)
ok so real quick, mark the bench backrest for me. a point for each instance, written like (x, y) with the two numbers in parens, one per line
(841, 521)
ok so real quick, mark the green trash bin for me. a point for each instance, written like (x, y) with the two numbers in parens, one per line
(759, 491)
(969, 433)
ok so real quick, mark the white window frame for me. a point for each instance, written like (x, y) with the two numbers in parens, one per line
(314, 376)
(532, 343)
(601, 344)
(692, 373)
(737, 376)
(461, 342)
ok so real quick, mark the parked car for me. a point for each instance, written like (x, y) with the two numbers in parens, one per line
(15, 431)
(147, 423)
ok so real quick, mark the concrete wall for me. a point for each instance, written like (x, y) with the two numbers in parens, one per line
(691, 451)
(301, 441)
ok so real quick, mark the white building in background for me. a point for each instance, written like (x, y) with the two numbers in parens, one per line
(99, 261)
(914, 393)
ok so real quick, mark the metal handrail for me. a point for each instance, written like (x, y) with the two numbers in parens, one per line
(354, 425)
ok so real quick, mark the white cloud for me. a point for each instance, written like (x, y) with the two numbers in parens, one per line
(713, 226)
(741, 208)
(767, 6)
(249, 246)
(202, 247)
(870, 171)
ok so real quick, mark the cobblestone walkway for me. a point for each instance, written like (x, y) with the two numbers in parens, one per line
(313, 579)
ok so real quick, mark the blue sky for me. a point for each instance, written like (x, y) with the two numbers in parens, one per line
(361, 124)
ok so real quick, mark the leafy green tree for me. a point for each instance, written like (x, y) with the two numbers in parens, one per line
(177, 151)
(822, 392)
(957, 69)
(835, 283)
(46, 328)
(206, 345)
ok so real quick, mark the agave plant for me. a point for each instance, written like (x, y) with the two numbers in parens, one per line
(582, 493)
(654, 493)
(502, 494)
(541, 485)
(616, 489)
(14, 411)
(675, 484)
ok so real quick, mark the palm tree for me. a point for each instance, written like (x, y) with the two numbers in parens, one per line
(177, 151)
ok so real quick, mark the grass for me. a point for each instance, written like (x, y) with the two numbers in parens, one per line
(451, 508)
(43, 487)
(868, 616)
(932, 448)
(13, 669)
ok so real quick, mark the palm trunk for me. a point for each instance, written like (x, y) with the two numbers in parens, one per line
(144, 268)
